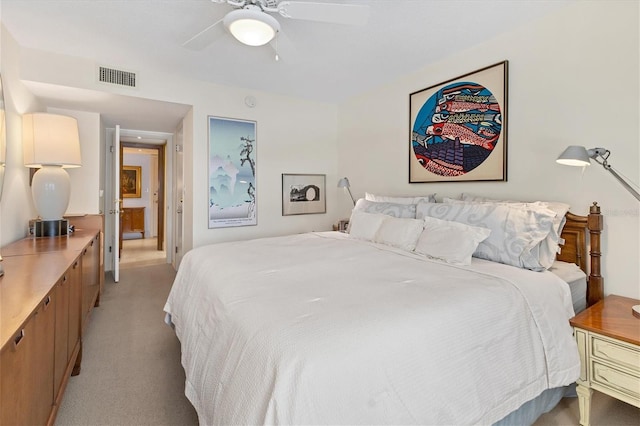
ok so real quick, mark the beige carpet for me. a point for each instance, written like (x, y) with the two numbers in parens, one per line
(131, 371)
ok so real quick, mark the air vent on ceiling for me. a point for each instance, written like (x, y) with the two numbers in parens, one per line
(119, 77)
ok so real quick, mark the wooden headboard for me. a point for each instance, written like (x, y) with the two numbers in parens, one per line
(576, 250)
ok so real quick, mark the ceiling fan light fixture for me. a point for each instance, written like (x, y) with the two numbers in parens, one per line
(251, 26)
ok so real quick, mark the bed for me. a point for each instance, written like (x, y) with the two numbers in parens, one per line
(326, 328)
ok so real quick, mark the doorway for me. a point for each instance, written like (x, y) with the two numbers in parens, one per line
(140, 139)
(142, 215)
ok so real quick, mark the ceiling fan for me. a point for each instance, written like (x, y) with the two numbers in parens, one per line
(251, 21)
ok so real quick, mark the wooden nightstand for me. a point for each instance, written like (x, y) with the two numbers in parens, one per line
(608, 337)
(341, 226)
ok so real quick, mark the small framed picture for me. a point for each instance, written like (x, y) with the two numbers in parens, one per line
(342, 225)
(130, 181)
(303, 194)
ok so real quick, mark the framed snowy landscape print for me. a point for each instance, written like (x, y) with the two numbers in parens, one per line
(232, 172)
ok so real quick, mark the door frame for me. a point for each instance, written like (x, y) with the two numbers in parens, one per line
(162, 167)
(153, 138)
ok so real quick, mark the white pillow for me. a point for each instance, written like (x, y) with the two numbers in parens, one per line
(430, 198)
(389, 209)
(515, 233)
(451, 242)
(401, 233)
(365, 225)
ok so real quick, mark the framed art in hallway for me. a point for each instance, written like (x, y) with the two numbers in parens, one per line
(232, 172)
(303, 194)
(458, 128)
(130, 181)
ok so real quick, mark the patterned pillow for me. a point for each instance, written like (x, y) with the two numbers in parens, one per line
(515, 233)
(389, 209)
(429, 198)
(551, 247)
(561, 209)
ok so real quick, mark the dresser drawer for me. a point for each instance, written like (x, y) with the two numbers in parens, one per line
(616, 380)
(625, 356)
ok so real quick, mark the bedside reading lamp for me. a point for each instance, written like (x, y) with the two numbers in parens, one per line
(580, 156)
(344, 183)
(51, 144)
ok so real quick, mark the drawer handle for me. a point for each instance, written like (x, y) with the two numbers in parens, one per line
(18, 338)
(75, 265)
(610, 352)
(47, 301)
(602, 374)
(64, 278)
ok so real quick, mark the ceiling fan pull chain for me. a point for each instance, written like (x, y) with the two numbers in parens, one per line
(277, 36)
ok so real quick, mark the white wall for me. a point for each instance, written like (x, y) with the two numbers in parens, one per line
(85, 180)
(573, 80)
(293, 136)
(16, 207)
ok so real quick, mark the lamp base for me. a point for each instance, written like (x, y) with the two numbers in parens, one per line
(48, 228)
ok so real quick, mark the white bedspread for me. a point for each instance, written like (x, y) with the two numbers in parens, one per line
(320, 328)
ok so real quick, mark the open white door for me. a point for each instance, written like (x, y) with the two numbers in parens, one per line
(115, 206)
(179, 199)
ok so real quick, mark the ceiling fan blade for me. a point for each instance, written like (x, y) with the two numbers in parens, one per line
(205, 37)
(349, 14)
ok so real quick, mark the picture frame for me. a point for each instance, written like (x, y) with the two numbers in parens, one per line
(232, 186)
(303, 194)
(458, 128)
(130, 181)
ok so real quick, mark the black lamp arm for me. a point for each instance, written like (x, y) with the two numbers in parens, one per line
(352, 199)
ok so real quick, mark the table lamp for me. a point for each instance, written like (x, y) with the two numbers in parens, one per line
(51, 144)
(580, 156)
(344, 183)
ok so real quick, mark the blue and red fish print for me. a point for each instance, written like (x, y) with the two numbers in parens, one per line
(456, 129)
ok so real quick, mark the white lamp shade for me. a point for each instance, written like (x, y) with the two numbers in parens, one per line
(50, 139)
(3, 135)
(251, 26)
(50, 189)
(51, 143)
(574, 156)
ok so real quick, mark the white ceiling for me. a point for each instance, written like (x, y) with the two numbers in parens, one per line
(319, 61)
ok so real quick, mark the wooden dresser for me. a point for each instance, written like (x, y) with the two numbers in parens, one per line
(132, 220)
(48, 290)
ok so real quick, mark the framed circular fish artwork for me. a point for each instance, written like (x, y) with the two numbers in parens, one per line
(459, 128)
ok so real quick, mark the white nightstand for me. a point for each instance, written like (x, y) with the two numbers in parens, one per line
(608, 337)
